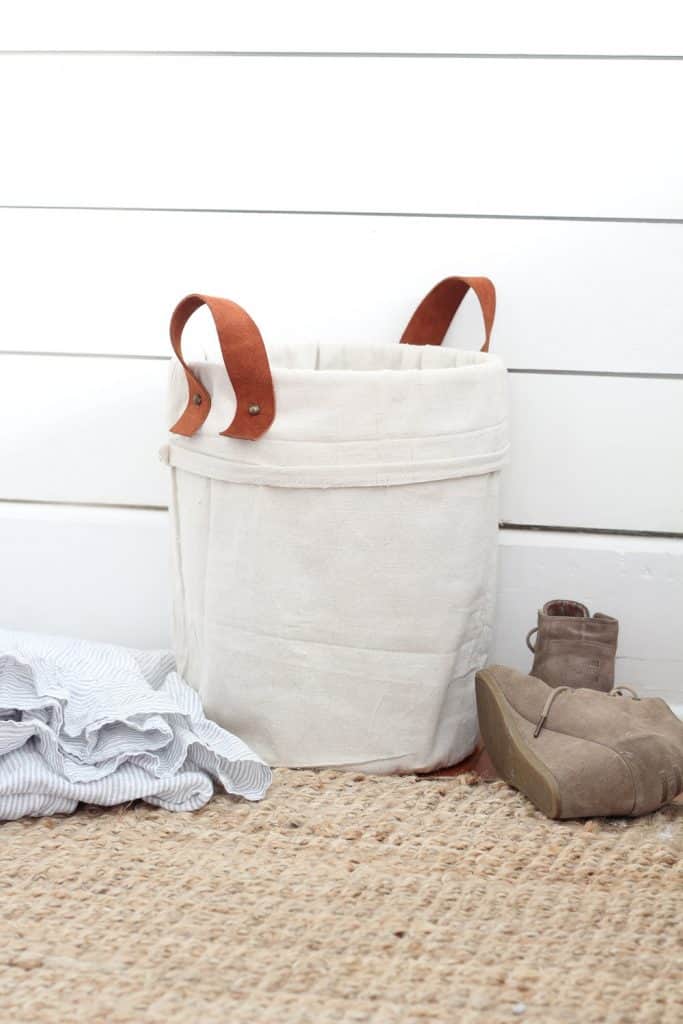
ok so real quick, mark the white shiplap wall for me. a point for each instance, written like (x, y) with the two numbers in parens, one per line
(325, 171)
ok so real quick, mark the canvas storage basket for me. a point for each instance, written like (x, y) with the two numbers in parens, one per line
(335, 546)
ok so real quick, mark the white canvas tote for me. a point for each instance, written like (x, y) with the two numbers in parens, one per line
(335, 546)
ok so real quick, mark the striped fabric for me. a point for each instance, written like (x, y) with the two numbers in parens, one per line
(102, 724)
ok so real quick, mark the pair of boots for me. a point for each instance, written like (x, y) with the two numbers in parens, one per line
(571, 742)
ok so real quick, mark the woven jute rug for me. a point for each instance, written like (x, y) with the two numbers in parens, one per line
(343, 898)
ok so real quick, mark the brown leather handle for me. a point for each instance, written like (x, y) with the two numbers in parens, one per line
(432, 318)
(246, 363)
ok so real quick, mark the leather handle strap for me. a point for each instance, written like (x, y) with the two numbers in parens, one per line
(432, 318)
(246, 363)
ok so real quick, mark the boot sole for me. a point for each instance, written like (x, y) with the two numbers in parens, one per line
(512, 758)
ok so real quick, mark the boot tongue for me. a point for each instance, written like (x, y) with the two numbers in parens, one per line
(566, 609)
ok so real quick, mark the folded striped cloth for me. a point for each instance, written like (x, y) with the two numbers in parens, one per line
(102, 724)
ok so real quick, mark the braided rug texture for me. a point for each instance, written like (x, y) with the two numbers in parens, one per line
(342, 898)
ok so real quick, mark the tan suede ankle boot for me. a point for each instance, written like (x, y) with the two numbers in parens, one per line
(572, 647)
(578, 753)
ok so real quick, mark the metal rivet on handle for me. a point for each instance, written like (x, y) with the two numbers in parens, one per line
(197, 399)
(254, 409)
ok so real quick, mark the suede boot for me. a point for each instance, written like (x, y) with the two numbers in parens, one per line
(578, 753)
(572, 647)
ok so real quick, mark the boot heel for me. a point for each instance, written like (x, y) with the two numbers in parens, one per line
(509, 751)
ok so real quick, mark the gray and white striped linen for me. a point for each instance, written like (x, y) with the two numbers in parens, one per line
(101, 724)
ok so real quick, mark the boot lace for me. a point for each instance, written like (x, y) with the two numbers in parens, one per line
(547, 706)
(617, 691)
(621, 691)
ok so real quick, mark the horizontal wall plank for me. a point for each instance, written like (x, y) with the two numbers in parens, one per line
(82, 430)
(570, 138)
(591, 452)
(493, 26)
(103, 574)
(595, 452)
(571, 294)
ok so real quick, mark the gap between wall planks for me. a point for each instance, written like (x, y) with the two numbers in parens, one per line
(502, 525)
